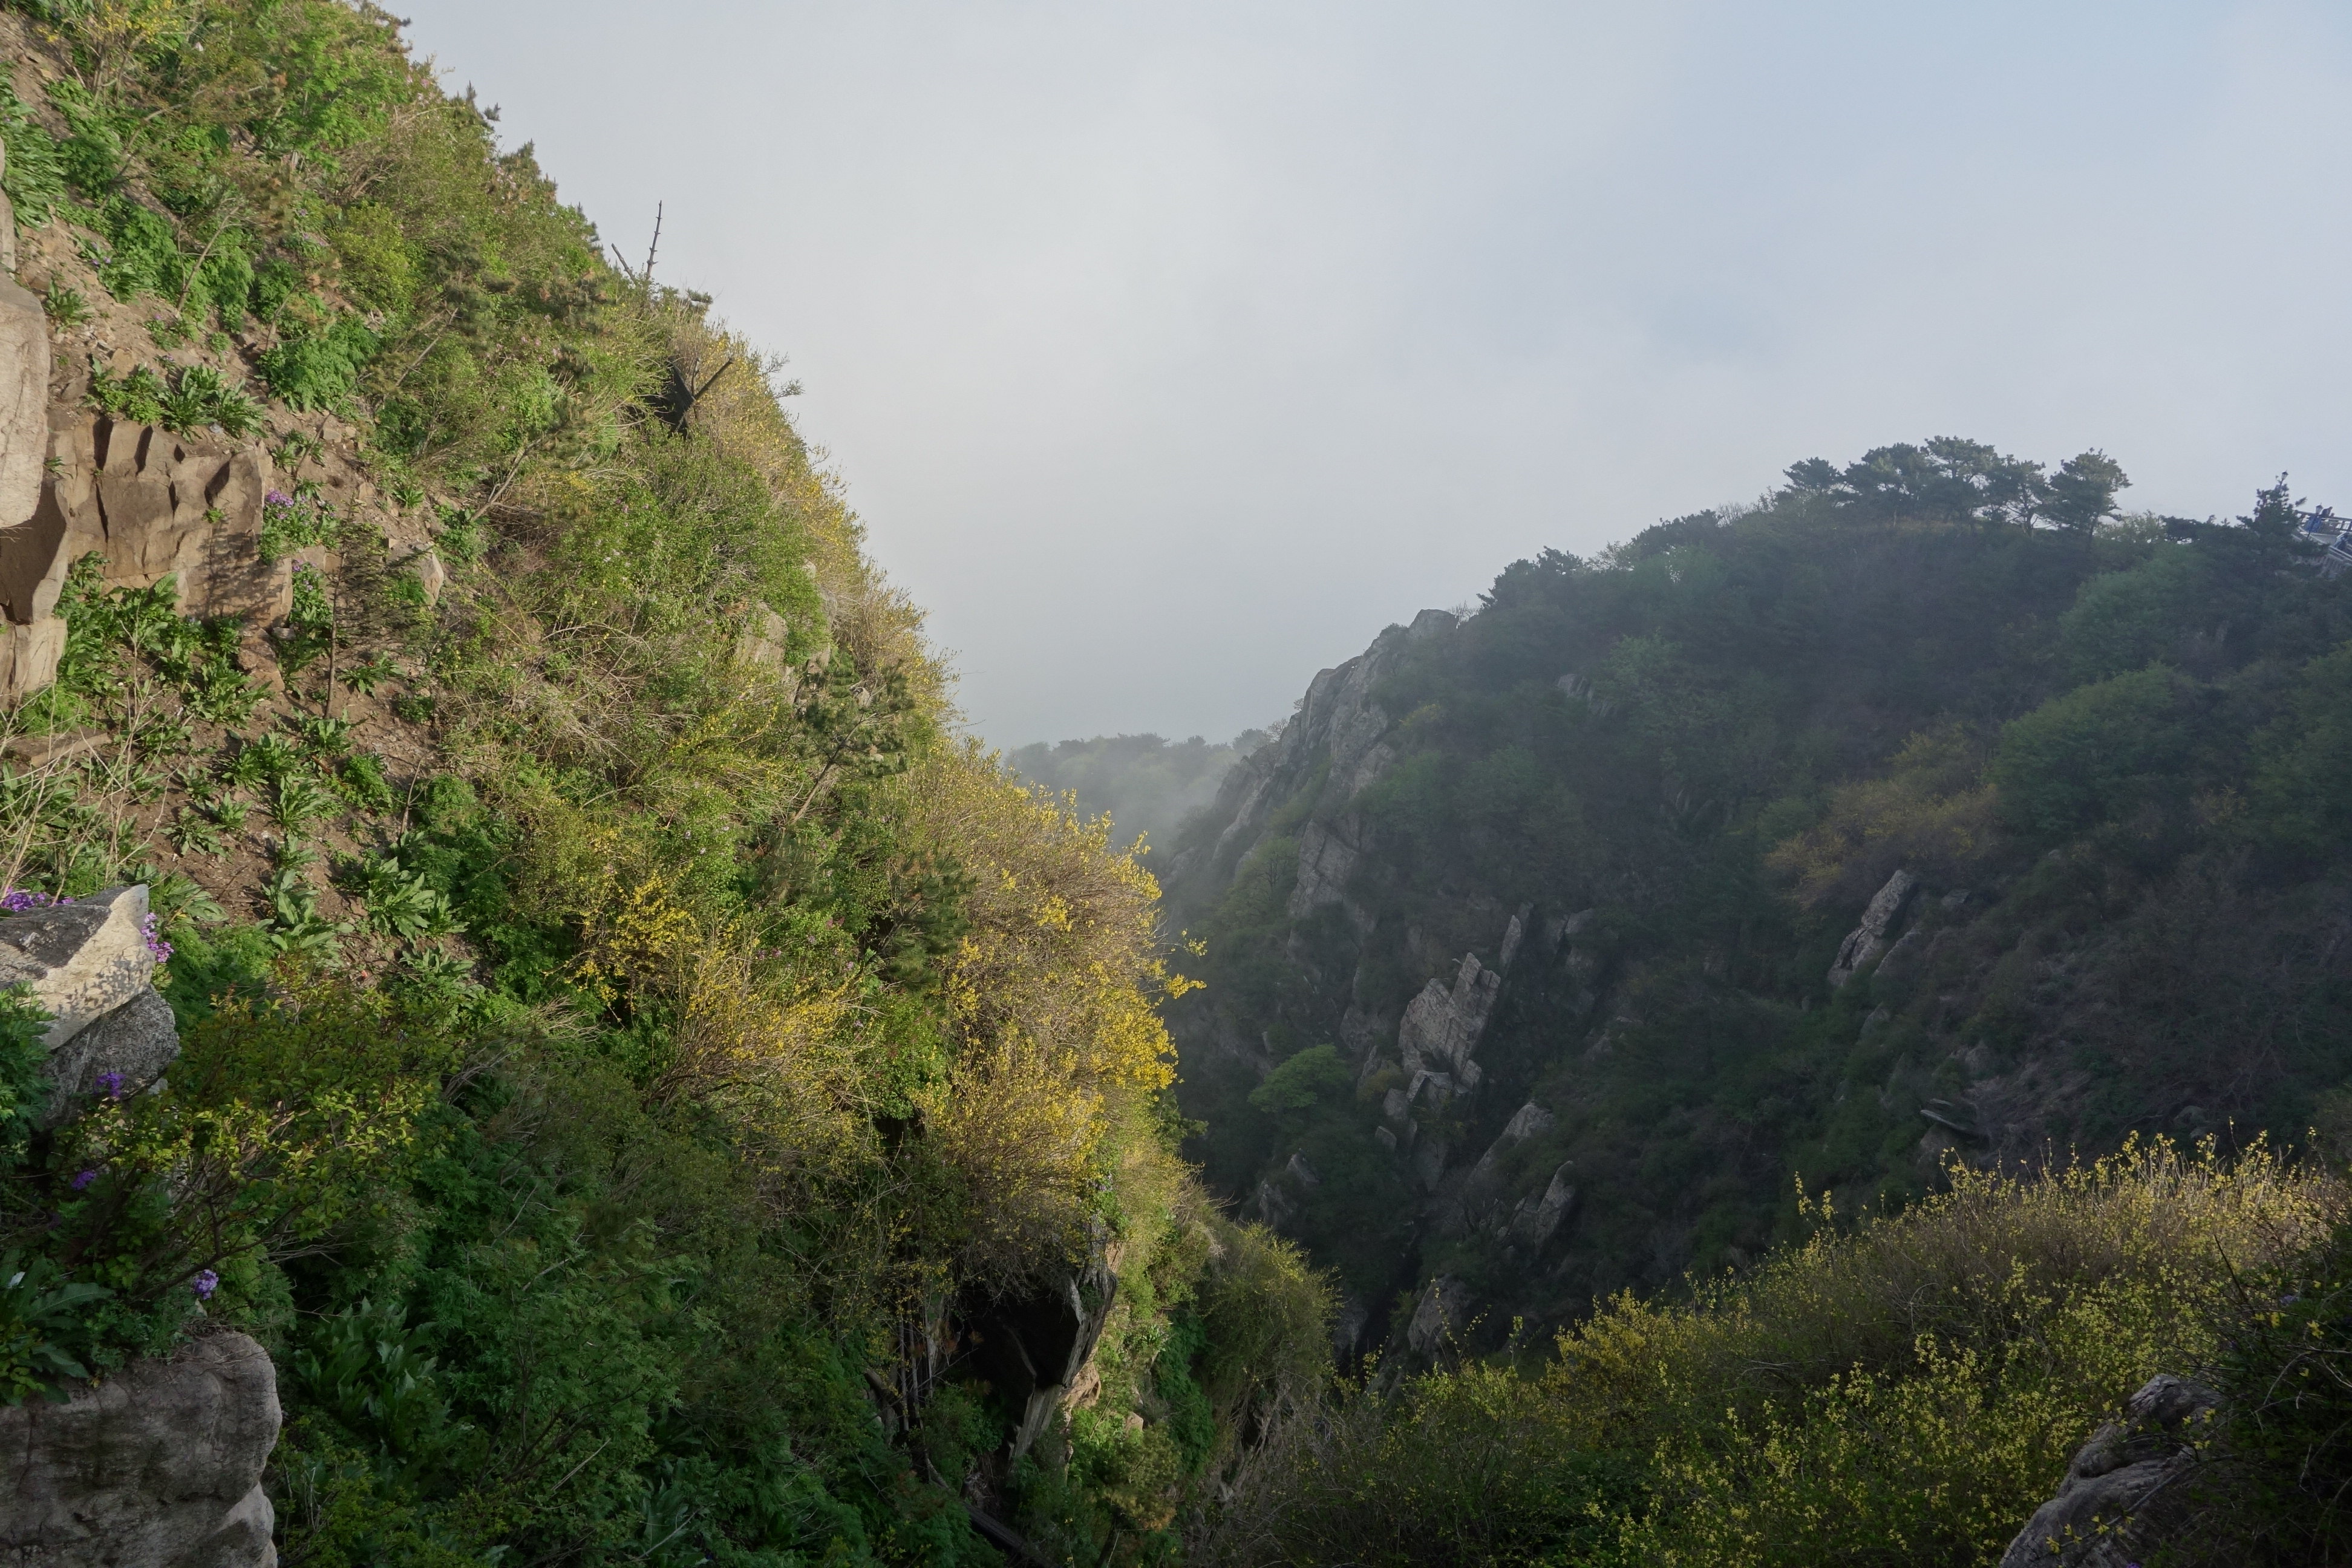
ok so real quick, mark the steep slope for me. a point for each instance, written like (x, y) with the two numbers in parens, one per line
(1926, 810)
(647, 1088)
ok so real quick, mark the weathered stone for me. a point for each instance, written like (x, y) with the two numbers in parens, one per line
(24, 401)
(81, 959)
(432, 576)
(2123, 1494)
(29, 657)
(1443, 1311)
(1537, 1218)
(1867, 941)
(1512, 935)
(1531, 1120)
(765, 639)
(159, 505)
(160, 1464)
(1442, 1027)
(1031, 1347)
(135, 1043)
(1337, 722)
(1327, 858)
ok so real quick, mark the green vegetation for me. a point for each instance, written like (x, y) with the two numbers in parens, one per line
(642, 1075)
(1907, 1393)
(2113, 751)
(613, 1045)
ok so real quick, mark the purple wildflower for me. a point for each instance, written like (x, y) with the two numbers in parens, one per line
(110, 1085)
(205, 1284)
(277, 498)
(16, 900)
(83, 1179)
(148, 928)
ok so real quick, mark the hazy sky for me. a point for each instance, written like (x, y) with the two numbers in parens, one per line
(1171, 351)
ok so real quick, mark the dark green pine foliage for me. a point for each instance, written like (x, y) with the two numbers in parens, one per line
(2114, 751)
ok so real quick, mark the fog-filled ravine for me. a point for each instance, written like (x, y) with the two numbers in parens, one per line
(534, 1032)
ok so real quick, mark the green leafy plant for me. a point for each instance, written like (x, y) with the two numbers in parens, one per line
(367, 674)
(138, 396)
(67, 307)
(192, 834)
(264, 759)
(361, 781)
(290, 523)
(401, 902)
(320, 736)
(299, 800)
(40, 1317)
(203, 398)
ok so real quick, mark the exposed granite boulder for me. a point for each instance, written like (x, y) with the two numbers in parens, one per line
(80, 960)
(1327, 858)
(1537, 1218)
(134, 1044)
(1443, 1311)
(1867, 943)
(162, 505)
(1531, 1120)
(23, 400)
(1442, 1026)
(2124, 1491)
(158, 1466)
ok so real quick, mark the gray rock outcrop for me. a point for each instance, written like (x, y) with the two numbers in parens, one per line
(1033, 1347)
(1535, 1221)
(24, 401)
(158, 1466)
(81, 960)
(1338, 722)
(1442, 1026)
(2125, 1490)
(1867, 943)
(1529, 1121)
(1327, 858)
(149, 503)
(131, 1045)
(1443, 1311)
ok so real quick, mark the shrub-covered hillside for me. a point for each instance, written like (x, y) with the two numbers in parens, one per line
(2109, 748)
(642, 1075)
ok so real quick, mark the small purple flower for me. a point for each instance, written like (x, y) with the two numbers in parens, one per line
(205, 1284)
(110, 1085)
(155, 943)
(83, 1179)
(16, 900)
(277, 498)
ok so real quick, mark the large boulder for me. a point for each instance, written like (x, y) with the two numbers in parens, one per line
(158, 1466)
(1440, 1026)
(123, 1053)
(24, 401)
(1867, 943)
(80, 960)
(2124, 1491)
